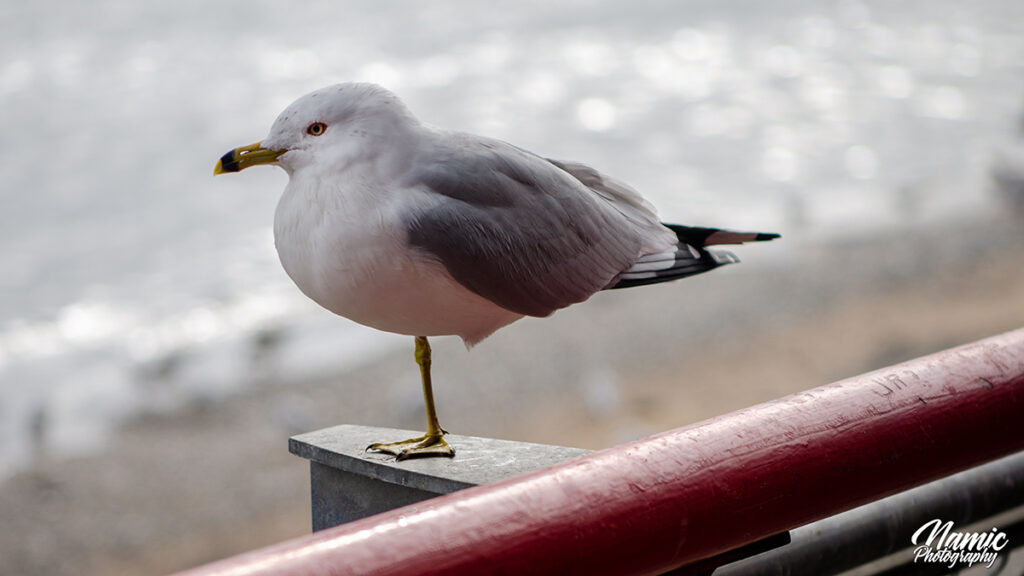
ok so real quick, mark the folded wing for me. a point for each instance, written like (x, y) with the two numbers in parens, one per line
(520, 230)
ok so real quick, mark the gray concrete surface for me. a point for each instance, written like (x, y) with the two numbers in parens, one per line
(348, 483)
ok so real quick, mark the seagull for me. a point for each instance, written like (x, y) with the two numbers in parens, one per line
(417, 230)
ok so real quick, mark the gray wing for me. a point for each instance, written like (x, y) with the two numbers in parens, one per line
(625, 199)
(522, 231)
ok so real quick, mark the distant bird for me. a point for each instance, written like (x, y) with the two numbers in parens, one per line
(412, 229)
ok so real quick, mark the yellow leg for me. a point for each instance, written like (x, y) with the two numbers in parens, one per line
(432, 443)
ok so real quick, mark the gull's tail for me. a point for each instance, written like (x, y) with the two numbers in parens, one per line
(689, 256)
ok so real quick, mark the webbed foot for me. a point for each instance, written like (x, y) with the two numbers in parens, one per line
(424, 446)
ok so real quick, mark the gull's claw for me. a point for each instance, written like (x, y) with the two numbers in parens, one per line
(424, 446)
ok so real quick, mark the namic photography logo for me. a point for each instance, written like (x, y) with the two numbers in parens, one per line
(936, 542)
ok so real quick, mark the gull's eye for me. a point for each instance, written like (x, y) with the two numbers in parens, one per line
(316, 129)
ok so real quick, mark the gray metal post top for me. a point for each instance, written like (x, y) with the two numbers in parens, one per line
(477, 460)
(348, 483)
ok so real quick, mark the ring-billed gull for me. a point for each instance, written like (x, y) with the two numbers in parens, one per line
(421, 231)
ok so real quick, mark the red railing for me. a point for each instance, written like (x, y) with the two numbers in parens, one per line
(680, 496)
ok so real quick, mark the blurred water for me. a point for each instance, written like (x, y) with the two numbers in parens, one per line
(132, 280)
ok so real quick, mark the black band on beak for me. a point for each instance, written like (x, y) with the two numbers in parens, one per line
(229, 162)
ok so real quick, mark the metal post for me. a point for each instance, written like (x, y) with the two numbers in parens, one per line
(348, 483)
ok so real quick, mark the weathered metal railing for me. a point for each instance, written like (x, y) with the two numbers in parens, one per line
(685, 495)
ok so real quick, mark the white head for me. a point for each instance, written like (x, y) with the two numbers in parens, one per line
(331, 127)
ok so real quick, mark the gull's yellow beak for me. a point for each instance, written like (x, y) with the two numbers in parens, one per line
(245, 156)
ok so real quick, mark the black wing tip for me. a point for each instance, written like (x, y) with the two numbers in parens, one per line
(699, 236)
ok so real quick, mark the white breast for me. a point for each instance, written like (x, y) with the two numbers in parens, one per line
(346, 248)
